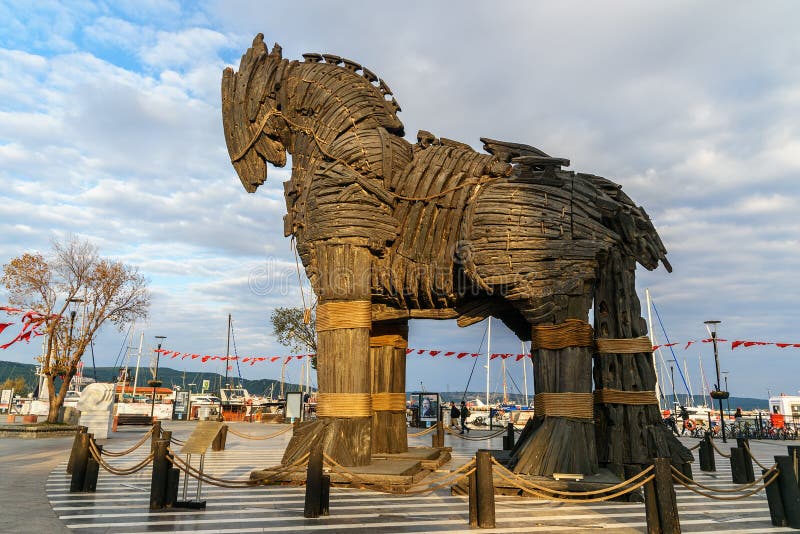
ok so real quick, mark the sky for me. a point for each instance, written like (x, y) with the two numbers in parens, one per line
(111, 131)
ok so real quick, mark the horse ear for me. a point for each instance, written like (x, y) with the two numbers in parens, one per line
(277, 51)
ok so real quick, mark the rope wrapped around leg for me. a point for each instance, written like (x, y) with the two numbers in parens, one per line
(345, 314)
(345, 405)
(389, 402)
(570, 333)
(570, 405)
(616, 396)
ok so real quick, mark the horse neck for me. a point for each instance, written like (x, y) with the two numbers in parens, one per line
(311, 97)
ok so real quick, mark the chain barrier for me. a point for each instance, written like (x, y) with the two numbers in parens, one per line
(249, 436)
(133, 448)
(476, 438)
(176, 441)
(404, 489)
(688, 486)
(543, 492)
(120, 471)
(719, 451)
(741, 487)
(423, 432)
(233, 483)
(747, 448)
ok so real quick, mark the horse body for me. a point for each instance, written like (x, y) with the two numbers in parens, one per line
(450, 232)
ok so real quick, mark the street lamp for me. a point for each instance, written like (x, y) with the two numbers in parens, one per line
(672, 379)
(728, 400)
(155, 382)
(717, 394)
(72, 314)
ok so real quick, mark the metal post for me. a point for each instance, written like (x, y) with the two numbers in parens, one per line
(719, 400)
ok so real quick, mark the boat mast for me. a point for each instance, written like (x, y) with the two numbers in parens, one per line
(525, 372)
(653, 343)
(228, 350)
(488, 357)
(689, 384)
(138, 360)
(505, 393)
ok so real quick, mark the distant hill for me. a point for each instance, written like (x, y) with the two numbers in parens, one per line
(745, 403)
(169, 377)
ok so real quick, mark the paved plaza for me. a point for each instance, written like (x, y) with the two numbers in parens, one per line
(36, 497)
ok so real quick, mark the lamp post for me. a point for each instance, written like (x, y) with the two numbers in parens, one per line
(717, 394)
(155, 382)
(72, 314)
(672, 379)
(728, 400)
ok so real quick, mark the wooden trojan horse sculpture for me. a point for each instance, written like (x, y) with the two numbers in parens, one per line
(388, 231)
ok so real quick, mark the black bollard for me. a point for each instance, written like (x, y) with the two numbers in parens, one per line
(742, 443)
(75, 445)
(776, 512)
(665, 496)
(485, 486)
(686, 469)
(741, 466)
(92, 471)
(790, 492)
(707, 460)
(313, 507)
(79, 464)
(473, 500)
(325, 496)
(510, 435)
(159, 479)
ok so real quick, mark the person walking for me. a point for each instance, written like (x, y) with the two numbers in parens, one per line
(455, 413)
(685, 419)
(463, 414)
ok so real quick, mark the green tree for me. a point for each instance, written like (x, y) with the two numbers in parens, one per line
(18, 384)
(296, 328)
(78, 291)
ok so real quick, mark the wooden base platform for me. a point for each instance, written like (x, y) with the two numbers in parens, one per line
(385, 470)
(602, 479)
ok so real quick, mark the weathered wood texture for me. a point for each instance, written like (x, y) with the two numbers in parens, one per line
(626, 434)
(388, 365)
(560, 444)
(444, 231)
(343, 357)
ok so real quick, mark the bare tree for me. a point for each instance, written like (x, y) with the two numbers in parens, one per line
(73, 276)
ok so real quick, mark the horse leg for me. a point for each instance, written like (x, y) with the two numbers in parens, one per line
(388, 342)
(561, 437)
(344, 407)
(628, 435)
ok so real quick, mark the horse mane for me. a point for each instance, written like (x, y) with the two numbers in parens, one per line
(348, 64)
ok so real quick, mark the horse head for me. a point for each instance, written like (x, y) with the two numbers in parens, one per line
(255, 131)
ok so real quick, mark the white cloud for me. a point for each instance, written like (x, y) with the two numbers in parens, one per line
(111, 129)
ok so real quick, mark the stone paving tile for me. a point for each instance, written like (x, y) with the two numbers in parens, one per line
(121, 503)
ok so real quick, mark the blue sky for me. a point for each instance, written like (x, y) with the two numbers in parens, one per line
(110, 129)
